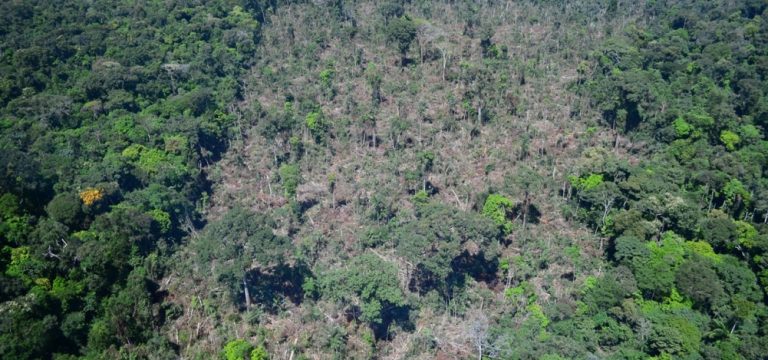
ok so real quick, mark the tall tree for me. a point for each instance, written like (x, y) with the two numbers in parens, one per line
(237, 244)
(400, 33)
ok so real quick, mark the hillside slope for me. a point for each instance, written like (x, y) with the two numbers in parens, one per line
(481, 107)
(383, 179)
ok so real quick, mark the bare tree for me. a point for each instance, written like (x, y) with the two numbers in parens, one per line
(478, 331)
(175, 71)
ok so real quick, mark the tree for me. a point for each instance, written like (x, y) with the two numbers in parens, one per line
(78, 257)
(237, 350)
(110, 243)
(90, 196)
(655, 272)
(369, 282)
(719, 230)
(676, 337)
(426, 162)
(27, 331)
(289, 175)
(602, 197)
(444, 244)
(478, 331)
(317, 126)
(128, 315)
(373, 77)
(66, 208)
(498, 208)
(585, 182)
(697, 280)
(730, 139)
(259, 353)
(604, 294)
(239, 243)
(736, 195)
(530, 183)
(401, 32)
(391, 9)
(9, 206)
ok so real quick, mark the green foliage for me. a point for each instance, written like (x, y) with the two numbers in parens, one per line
(589, 182)
(679, 338)
(238, 243)
(735, 192)
(237, 350)
(289, 175)
(703, 249)
(374, 79)
(700, 118)
(697, 280)
(15, 228)
(523, 291)
(66, 290)
(498, 208)
(682, 128)
(537, 315)
(309, 287)
(719, 230)
(514, 292)
(655, 274)
(314, 122)
(746, 234)
(259, 353)
(391, 9)
(157, 164)
(100, 335)
(134, 107)
(131, 105)
(427, 160)
(371, 280)
(442, 236)
(317, 125)
(9, 206)
(401, 32)
(603, 293)
(326, 76)
(420, 198)
(730, 139)
(66, 208)
(162, 218)
(19, 261)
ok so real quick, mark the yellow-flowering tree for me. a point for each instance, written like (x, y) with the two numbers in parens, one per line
(91, 195)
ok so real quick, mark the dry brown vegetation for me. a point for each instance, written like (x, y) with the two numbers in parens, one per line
(537, 126)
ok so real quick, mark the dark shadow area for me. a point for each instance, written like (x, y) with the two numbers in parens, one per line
(394, 315)
(390, 315)
(10, 287)
(477, 267)
(633, 117)
(407, 62)
(156, 294)
(454, 283)
(306, 205)
(431, 189)
(533, 215)
(422, 280)
(285, 281)
(341, 202)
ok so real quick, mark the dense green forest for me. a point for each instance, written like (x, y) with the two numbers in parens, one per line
(400, 179)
